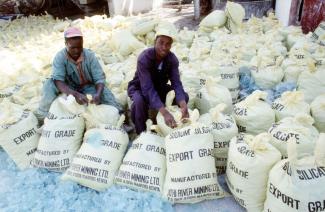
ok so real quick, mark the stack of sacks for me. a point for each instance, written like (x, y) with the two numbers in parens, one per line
(144, 165)
(212, 94)
(317, 108)
(289, 104)
(191, 175)
(175, 111)
(296, 184)
(223, 129)
(311, 82)
(99, 157)
(249, 161)
(299, 127)
(18, 133)
(62, 135)
(254, 115)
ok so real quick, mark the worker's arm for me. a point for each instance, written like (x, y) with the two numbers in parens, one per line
(64, 88)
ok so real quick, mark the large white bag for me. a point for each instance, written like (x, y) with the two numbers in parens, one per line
(212, 94)
(18, 133)
(249, 161)
(318, 112)
(289, 104)
(175, 111)
(254, 115)
(266, 77)
(300, 127)
(223, 128)
(99, 157)
(311, 82)
(62, 135)
(144, 165)
(297, 185)
(100, 114)
(191, 175)
(216, 19)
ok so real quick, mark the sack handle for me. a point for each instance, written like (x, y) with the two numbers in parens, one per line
(120, 121)
(170, 98)
(258, 143)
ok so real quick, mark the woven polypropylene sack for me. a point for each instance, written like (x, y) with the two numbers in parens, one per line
(249, 161)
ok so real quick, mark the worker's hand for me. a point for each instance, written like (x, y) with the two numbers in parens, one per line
(169, 119)
(95, 99)
(184, 110)
(80, 98)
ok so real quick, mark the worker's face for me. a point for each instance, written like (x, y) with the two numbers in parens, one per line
(162, 46)
(74, 47)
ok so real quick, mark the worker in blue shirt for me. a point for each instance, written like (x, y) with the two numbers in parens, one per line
(77, 72)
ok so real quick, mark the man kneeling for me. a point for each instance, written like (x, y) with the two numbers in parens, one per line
(77, 72)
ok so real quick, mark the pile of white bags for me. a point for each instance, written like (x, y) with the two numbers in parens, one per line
(18, 133)
(297, 184)
(249, 161)
(289, 104)
(318, 112)
(223, 128)
(144, 165)
(299, 127)
(212, 94)
(253, 115)
(62, 135)
(99, 157)
(191, 175)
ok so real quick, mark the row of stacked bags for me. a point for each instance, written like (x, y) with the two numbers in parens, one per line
(257, 118)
